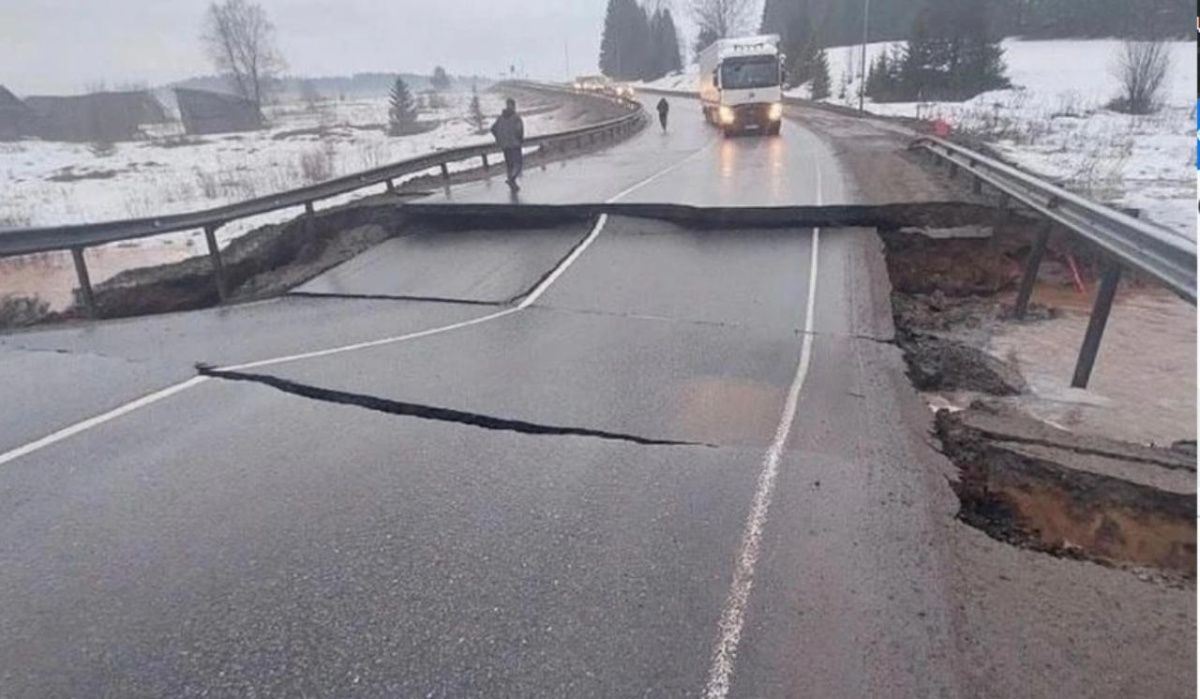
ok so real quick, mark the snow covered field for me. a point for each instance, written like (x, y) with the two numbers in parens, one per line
(1053, 121)
(47, 183)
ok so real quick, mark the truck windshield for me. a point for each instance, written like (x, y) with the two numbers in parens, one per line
(745, 74)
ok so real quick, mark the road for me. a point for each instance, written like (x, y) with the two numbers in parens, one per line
(620, 458)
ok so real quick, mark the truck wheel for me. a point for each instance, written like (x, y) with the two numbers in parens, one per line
(775, 128)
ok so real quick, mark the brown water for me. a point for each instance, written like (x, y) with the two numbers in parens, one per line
(51, 276)
(1143, 388)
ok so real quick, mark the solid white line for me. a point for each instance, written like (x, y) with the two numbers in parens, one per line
(89, 423)
(562, 267)
(733, 615)
(371, 343)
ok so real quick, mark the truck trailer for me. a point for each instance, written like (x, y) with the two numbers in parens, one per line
(741, 84)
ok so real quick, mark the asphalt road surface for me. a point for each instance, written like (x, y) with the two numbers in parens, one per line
(676, 463)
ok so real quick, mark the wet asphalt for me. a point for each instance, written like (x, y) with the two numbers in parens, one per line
(237, 539)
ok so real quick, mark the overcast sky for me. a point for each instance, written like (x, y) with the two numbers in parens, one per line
(62, 46)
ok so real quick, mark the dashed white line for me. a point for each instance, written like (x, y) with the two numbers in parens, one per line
(733, 614)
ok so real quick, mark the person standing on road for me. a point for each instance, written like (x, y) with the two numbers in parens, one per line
(664, 108)
(509, 132)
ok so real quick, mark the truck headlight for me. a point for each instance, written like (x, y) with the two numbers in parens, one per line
(775, 113)
(726, 115)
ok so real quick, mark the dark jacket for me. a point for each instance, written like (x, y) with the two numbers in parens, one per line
(663, 106)
(509, 130)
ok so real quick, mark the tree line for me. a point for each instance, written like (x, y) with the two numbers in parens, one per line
(840, 22)
(639, 43)
(952, 51)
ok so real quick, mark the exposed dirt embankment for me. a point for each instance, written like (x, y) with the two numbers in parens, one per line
(260, 264)
(1023, 481)
(1070, 495)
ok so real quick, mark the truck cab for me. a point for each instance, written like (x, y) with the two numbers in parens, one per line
(741, 85)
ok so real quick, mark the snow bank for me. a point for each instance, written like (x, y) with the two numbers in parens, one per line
(1054, 122)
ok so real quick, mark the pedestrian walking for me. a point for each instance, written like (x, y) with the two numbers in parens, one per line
(664, 108)
(509, 132)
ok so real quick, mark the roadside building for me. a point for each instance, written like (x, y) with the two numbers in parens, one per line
(96, 117)
(204, 112)
(16, 119)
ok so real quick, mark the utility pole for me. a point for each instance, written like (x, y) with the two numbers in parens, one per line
(862, 76)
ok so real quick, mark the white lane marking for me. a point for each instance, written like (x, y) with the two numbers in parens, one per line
(371, 343)
(98, 420)
(733, 615)
(91, 422)
(534, 295)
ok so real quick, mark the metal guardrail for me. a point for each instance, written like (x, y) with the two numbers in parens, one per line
(21, 241)
(1127, 241)
(1155, 250)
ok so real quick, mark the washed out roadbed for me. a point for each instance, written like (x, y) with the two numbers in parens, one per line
(1023, 481)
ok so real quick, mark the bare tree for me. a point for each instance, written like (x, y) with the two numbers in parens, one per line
(721, 19)
(241, 43)
(1142, 68)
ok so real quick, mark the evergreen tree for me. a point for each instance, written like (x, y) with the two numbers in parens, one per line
(639, 47)
(670, 43)
(951, 54)
(475, 116)
(402, 110)
(626, 52)
(609, 40)
(704, 39)
(664, 41)
(820, 76)
(440, 80)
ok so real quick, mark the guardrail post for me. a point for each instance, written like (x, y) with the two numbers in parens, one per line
(391, 186)
(1099, 320)
(85, 282)
(1032, 264)
(214, 254)
(308, 208)
(445, 172)
(977, 185)
(485, 161)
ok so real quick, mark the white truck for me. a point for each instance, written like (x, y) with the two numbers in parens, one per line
(741, 84)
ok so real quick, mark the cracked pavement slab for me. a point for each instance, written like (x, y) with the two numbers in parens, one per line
(430, 412)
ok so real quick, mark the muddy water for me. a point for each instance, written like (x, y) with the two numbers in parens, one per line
(1143, 388)
(51, 276)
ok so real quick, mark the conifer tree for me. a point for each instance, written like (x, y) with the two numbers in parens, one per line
(475, 114)
(402, 110)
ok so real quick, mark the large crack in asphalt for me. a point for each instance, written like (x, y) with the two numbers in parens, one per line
(394, 297)
(434, 413)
